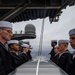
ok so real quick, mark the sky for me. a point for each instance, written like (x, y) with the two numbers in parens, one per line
(55, 31)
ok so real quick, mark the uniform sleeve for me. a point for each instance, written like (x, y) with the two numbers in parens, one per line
(2, 72)
(24, 57)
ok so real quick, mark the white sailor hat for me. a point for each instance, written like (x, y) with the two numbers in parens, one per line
(72, 31)
(13, 41)
(63, 41)
(53, 40)
(5, 24)
(25, 45)
(55, 46)
(26, 42)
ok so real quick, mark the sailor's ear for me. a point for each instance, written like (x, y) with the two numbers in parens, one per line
(0, 31)
(12, 46)
(65, 45)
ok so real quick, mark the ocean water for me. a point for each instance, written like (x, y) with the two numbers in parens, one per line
(44, 53)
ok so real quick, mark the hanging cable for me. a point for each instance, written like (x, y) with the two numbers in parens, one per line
(42, 31)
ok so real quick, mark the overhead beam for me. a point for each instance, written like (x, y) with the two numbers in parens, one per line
(11, 14)
(35, 7)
